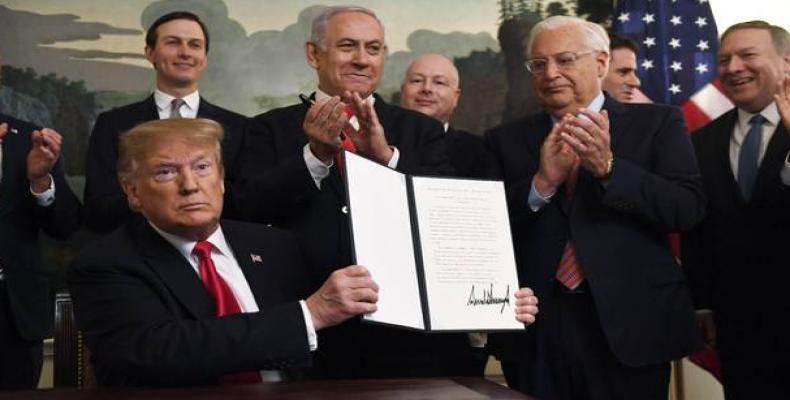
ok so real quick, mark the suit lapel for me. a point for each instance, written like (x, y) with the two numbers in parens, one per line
(174, 270)
(773, 161)
(206, 109)
(619, 122)
(385, 118)
(148, 110)
(254, 263)
(720, 151)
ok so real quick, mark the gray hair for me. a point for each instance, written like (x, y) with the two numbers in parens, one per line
(779, 36)
(321, 22)
(595, 37)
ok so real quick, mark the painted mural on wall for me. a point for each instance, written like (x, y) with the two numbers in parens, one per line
(65, 62)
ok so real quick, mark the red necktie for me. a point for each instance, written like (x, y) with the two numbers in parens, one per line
(224, 299)
(569, 272)
(348, 144)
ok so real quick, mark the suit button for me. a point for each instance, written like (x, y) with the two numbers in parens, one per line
(344, 209)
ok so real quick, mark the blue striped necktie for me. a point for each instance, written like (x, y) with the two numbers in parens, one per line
(748, 159)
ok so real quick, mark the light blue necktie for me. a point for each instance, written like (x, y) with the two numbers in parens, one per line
(748, 158)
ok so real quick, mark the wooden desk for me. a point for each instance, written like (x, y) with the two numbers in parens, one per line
(378, 389)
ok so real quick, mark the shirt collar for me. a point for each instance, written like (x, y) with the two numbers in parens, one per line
(319, 94)
(164, 100)
(185, 246)
(770, 113)
(595, 105)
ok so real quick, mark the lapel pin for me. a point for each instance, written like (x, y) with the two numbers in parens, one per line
(256, 258)
(14, 130)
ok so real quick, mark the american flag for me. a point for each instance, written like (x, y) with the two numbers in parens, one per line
(676, 61)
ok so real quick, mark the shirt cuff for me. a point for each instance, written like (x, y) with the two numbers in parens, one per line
(318, 170)
(312, 338)
(47, 197)
(535, 200)
(785, 174)
(393, 163)
(478, 340)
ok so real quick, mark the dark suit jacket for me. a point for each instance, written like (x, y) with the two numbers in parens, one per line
(619, 231)
(149, 320)
(469, 156)
(21, 220)
(278, 187)
(105, 203)
(281, 190)
(737, 259)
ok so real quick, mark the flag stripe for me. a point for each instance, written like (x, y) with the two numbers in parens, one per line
(712, 101)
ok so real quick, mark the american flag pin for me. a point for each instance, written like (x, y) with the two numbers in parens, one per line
(14, 130)
(256, 258)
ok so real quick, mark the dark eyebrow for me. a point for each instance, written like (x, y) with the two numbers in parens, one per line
(186, 38)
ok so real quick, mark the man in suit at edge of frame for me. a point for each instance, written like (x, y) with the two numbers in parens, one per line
(34, 197)
(736, 259)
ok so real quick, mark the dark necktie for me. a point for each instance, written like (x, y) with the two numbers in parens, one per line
(224, 300)
(175, 108)
(748, 159)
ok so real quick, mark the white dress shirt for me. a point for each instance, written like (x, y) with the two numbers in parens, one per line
(228, 268)
(164, 104)
(741, 128)
(318, 170)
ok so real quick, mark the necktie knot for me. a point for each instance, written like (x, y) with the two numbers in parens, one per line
(175, 107)
(757, 120)
(202, 248)
(348, 109)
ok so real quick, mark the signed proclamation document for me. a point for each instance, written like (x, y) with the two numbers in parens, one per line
(439, 248)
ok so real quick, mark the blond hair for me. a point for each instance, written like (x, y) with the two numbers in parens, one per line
(134, 145)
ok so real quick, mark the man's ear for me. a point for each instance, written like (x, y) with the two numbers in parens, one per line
(149, 55)
(312, 54)
(602, 61)
(132, 197)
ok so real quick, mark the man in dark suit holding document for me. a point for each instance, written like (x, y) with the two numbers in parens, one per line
(292, 168)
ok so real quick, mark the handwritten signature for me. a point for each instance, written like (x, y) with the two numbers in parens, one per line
(488, 298)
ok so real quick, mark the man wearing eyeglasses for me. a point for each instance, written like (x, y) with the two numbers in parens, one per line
(593, 188)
